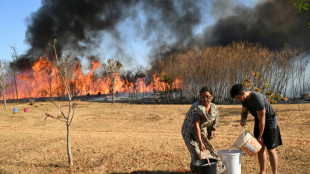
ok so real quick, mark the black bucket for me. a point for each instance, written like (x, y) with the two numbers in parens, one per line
(203, 167)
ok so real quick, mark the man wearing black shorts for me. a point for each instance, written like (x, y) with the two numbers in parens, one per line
(266, 129)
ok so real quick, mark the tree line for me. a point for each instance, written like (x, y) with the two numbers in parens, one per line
(219, 67)
(183, 73)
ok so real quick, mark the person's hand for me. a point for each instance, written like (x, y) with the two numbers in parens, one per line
(213, 133)
(202, 146)
(243, 122)
(260, 140)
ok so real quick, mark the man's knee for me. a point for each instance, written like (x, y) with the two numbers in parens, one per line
(262, 150)
(272, 153)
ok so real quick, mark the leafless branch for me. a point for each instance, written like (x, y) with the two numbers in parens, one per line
(72, 117)
(48, 115)
(53, 101)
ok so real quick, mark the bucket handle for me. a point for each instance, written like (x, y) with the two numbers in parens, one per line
(206, 156)
(243, 131)
(243, 135)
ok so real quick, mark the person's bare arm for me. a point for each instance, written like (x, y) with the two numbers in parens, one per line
(198, 135)
(262, 121)
(213, 132)
(244, 116)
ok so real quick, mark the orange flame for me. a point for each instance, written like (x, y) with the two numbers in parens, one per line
(43, 81)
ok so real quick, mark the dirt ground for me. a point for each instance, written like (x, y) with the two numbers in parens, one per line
(128, 138)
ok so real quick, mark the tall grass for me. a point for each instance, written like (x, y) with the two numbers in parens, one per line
(219, 67)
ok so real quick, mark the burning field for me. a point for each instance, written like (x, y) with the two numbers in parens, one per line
(43, 80)
(128, 138)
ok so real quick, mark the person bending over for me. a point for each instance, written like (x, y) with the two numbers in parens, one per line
(199, 127)
(266, 129)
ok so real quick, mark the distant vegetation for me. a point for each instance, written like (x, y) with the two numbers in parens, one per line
(219, 67)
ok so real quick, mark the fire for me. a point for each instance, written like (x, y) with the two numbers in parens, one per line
(43, 81)
(159, 85)
(141, 86)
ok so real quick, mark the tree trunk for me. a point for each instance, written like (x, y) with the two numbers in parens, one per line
(50, 85)
(70, 159)
(113, 94)
(4, 100)
(112, 90)
(129, 92)
(57, 86)
(15, 86)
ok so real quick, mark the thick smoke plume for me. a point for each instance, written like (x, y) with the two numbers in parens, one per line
(81, 25)
(273, 23)
(76, 24)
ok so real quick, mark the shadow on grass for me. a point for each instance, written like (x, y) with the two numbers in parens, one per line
(227, 112)
(156, 172)
(3, 172)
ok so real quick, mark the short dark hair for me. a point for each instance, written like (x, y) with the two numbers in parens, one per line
(237, 89)
(205, 89)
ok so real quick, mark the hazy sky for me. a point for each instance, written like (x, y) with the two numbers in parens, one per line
(14, 15)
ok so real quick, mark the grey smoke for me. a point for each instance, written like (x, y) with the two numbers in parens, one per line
(273, 23)
(167, 25)
(76, 24)
(79, 25)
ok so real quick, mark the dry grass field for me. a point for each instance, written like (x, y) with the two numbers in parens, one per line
(129, 138)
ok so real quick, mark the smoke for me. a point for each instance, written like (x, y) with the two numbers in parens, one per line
(80, 26)
(76, 24)
(273, 23)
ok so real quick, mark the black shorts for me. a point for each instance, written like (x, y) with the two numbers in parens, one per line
(271, 137)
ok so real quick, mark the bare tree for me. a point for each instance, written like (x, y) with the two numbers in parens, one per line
(64, 69)
(14, 68)
(3, 80)
(112, 70)
(138, 74)
(128, 81)
(131, 77)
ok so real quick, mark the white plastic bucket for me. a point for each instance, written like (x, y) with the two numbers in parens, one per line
(247, 143)
(232, 159)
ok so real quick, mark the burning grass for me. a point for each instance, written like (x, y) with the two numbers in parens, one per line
(127, 138)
